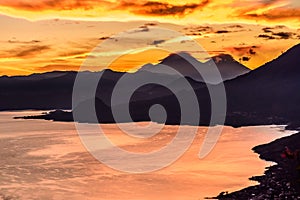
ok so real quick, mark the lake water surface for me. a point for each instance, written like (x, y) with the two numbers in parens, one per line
(46, 160)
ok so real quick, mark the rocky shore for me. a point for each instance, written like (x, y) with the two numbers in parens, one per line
(281, 181)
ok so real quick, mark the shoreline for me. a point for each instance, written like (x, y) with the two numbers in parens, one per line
(235, 121)
(280, 181)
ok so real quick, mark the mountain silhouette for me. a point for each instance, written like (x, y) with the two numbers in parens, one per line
(228, 67)
(53, 90)
(271, 90)
(217, 69)
(267, 95)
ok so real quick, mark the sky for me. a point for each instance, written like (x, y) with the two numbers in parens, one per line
(48, 35)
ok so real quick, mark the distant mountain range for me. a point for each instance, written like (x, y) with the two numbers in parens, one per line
(53, 90)
(267, 95)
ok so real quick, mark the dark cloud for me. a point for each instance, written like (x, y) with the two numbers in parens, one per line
(52, 4)
(272, 10)
(244, 58)
(275, 14)
(280, 27)
(104, 38)
(160, 8)
(252, 52)
(198, 30)
(140, 29)
(82, 57)
(194, 34)
(73, 53)
(268, 2)
(271, 29)
(157, 42)
(25, 51)
(284, 35)
(235, 26)
(278, 35)
(266, 36)
(145, 29)
(243, 50)
(267, 30)
(29, 51)
(151, 24)
(222, 31)
(13, 41)
(138, 7)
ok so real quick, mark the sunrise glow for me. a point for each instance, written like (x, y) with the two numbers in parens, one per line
(59, 35)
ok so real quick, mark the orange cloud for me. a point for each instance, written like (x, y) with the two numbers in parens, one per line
(161, 8)
(27, 46)
(270, 10)
(58, 5)
(242, 50)
(25, 51)
(31, 51)
(276, 14)
(174, 11)
(142, 7)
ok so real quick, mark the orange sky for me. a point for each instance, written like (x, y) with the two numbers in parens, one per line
(47, 35)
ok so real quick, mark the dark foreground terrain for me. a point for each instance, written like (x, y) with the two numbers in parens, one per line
(281, 181)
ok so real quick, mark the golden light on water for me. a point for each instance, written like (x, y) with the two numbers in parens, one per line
(55, 163)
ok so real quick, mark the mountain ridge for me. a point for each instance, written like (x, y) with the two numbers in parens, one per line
(258, 101)
(183, 63)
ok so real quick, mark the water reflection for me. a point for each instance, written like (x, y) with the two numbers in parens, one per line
(46, 160)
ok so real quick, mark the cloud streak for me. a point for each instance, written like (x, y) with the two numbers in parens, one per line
(160, 8)
(246, 51)
(43, 5)
(275, 14)
(157, 42)
(270, 10)
(25, 51)
(23, 42)
(157, 8)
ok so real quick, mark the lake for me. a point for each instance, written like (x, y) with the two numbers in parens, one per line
(46, 160)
